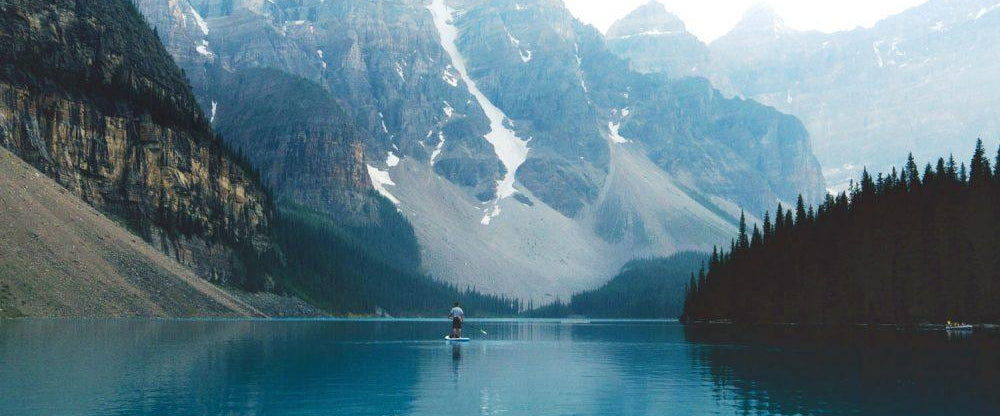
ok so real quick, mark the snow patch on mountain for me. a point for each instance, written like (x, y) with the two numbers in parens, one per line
(983, 11)
(448, 77)
(653, 32)
(202, 24)
(381, 119)
(391, 159)
(510, 149)
(491, 213)
(380, 179)
(203, 49)
(525, 54)
(399, 71)
(616, 137)
(614, 126)
(322, 61)
(438, 148)
(579, 68)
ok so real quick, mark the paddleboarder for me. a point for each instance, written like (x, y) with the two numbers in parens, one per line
(457, 316)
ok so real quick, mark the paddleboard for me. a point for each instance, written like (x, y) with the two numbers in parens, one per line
(959, 328)
(450, 339)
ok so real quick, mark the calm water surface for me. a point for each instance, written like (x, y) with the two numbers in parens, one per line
(156, 367)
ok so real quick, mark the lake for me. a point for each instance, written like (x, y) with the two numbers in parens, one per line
(522, 367)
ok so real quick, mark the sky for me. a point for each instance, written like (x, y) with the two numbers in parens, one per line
(710, 19)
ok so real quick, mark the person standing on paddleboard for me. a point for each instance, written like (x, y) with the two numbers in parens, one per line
(457, 316)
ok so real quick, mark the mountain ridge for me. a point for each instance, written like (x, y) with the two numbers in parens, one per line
(914, 80)
(426, 132)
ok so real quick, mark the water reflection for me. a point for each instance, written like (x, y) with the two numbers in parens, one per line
(521, 368)
(781, 370)
(195, 367)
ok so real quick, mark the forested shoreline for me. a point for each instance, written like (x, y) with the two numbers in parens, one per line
(908, 247)
(643, 289)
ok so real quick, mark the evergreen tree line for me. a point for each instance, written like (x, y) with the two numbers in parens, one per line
(644, 289)
(912, 246)
(367, 270)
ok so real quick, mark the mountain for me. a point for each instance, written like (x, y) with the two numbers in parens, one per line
(918, 80)
(89, 97)
(61, 257)
(655, 40)
(528, 158)
(912, 246)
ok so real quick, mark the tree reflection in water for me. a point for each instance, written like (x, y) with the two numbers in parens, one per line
(819, 371)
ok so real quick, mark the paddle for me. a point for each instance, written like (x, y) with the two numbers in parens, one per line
(477, 328)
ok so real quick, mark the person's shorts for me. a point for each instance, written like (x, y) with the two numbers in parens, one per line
(456, 323)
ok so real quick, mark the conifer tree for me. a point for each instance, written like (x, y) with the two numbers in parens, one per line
(912, 173)
(867, 185)
(779, 219)
(767, 226)
(996, 166)
(800, 211)
(979, 168)
(743, 240)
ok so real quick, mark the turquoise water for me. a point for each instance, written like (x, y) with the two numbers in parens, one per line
(158, 367)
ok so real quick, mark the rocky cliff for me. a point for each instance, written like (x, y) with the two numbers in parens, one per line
(89, 96)
(304, 144)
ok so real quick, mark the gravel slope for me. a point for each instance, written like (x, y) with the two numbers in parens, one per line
(59, 257)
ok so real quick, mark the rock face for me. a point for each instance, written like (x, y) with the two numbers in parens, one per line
(530, 160)
(305, 145)
(90, 97)
(917, 81)
(376, 60)
(732, 149)
(655, 40)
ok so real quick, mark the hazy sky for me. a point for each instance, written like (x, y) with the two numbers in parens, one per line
(709, 19)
